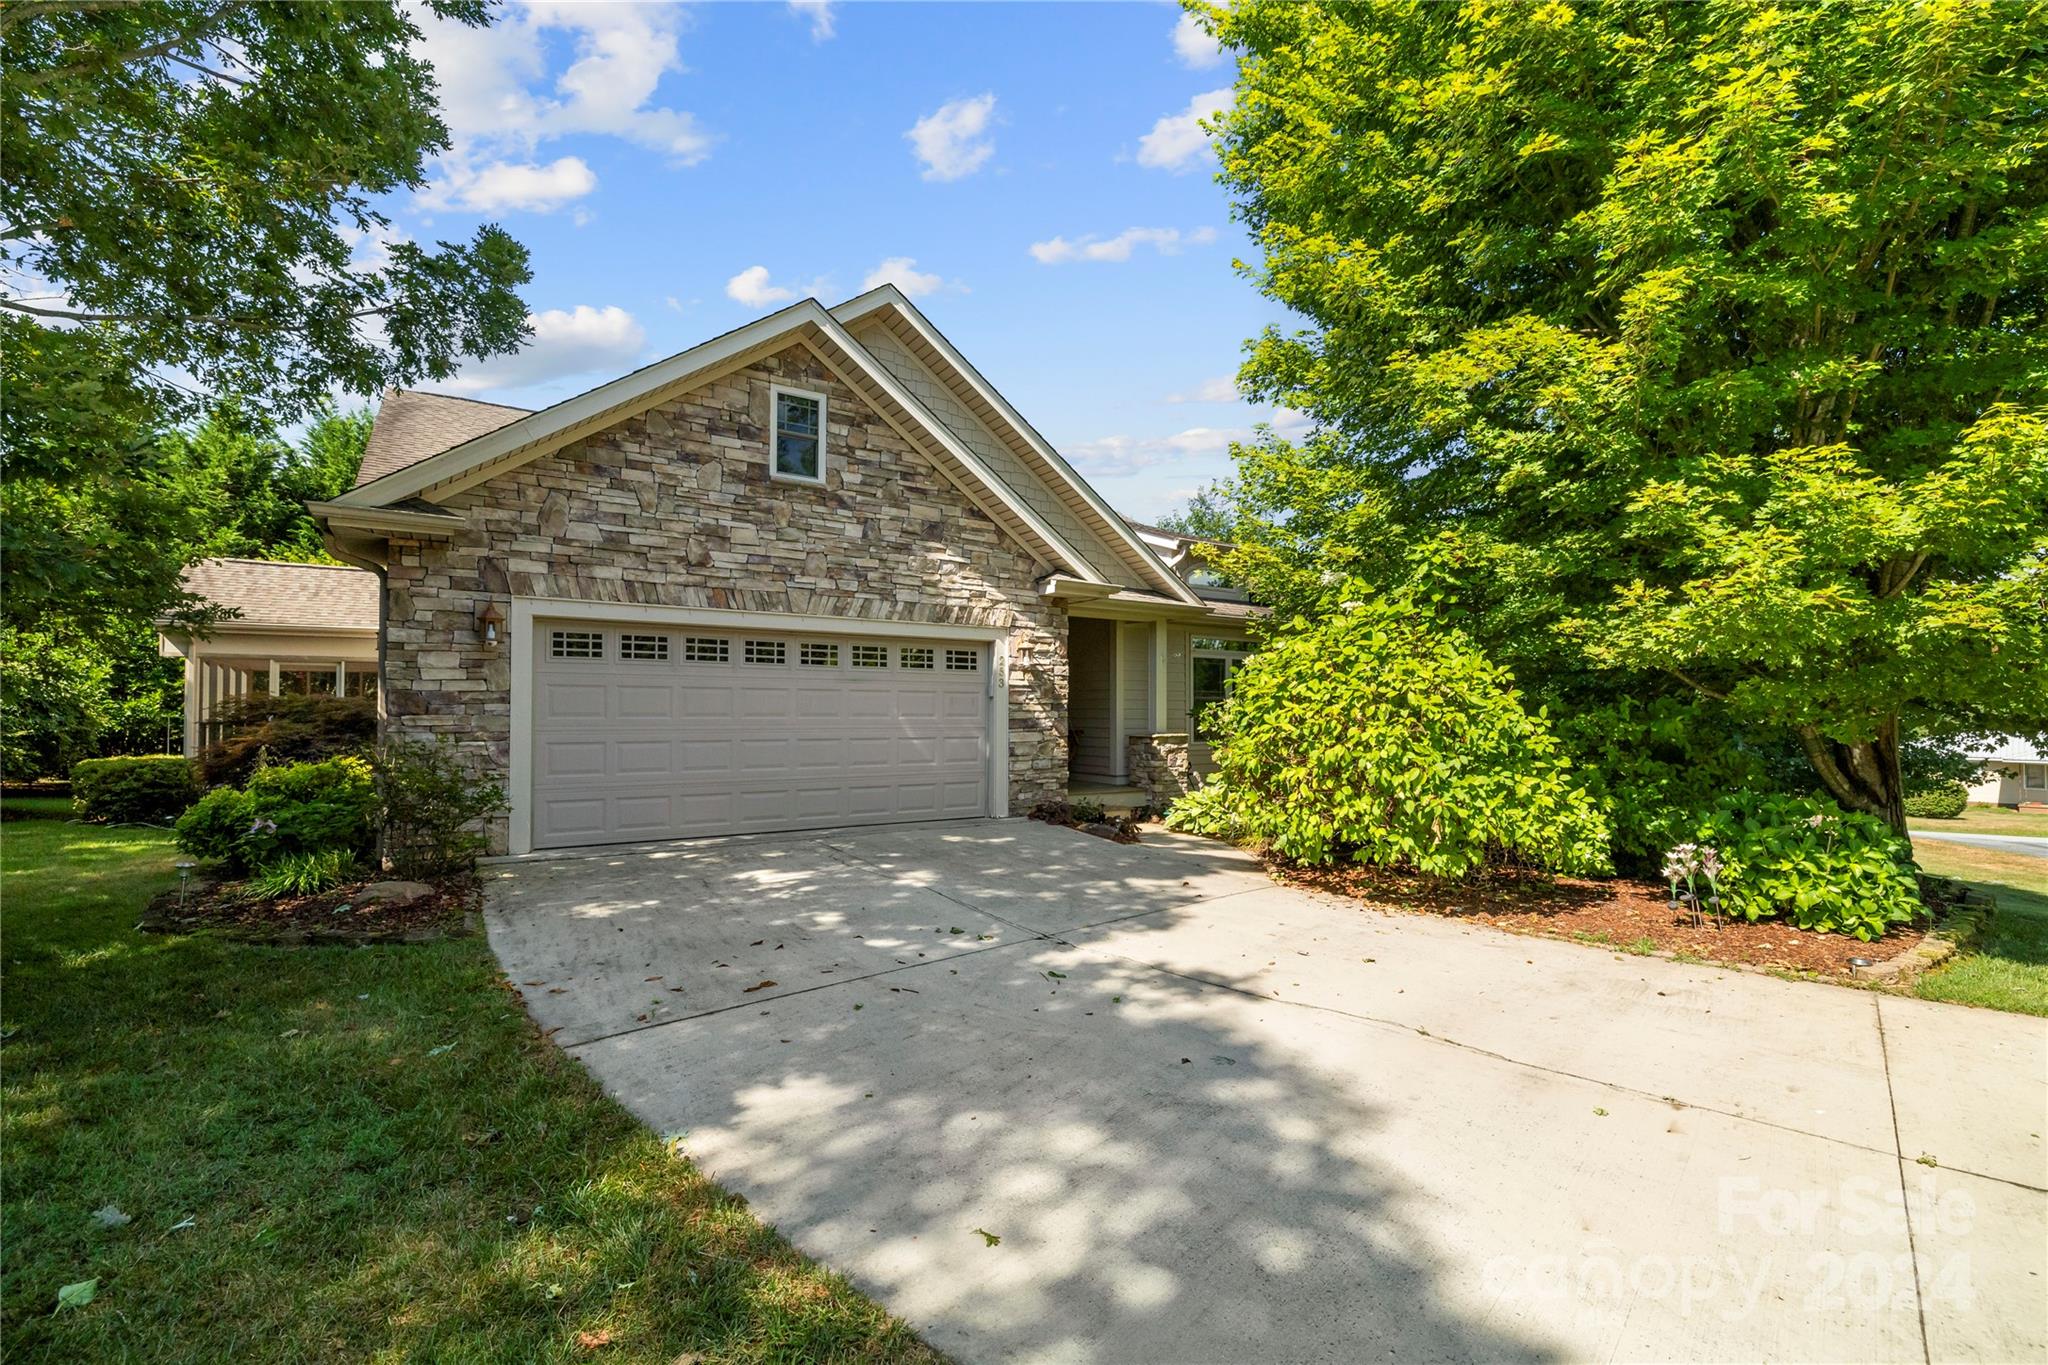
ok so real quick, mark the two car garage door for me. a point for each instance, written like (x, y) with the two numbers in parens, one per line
(659, 732)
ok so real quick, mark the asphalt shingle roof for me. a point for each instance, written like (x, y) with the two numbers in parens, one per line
(411, 426)
(270, 593)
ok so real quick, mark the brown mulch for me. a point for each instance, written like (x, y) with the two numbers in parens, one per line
(329, 917)
(1620, 914)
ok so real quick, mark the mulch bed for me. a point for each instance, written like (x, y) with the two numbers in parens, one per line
(329, 917)
(1619, 915)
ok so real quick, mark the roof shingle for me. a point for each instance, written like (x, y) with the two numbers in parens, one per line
(273, 593)
(412, 426)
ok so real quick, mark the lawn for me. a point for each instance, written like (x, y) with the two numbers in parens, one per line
(2008, 970)
(1989, 820)
(342, 1154)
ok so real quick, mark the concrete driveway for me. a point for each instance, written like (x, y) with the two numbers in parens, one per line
(2027, 845)
(1214, 1119)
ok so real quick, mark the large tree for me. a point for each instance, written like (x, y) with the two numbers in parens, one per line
(189, 196)
(1694, 350)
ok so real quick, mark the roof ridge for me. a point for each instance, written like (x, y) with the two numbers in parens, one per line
(288, 563)
(459, 398)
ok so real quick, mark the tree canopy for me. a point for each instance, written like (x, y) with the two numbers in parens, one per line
(1690, 351)
(201, 179)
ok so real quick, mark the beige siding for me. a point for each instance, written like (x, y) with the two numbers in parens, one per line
(1091, 705)
(1137, 680)
(993, 451)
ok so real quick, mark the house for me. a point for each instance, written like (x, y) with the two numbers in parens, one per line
(813, 572)
(297, 628)
(2010, 772)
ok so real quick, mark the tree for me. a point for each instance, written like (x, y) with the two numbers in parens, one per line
(201, 178)
(1690, 350)
(260, 484)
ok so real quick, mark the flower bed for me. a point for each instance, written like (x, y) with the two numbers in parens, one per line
(342, 914)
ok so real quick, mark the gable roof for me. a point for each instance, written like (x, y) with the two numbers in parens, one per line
(411, 425)
(980, 397)
(277, 594)
(529, 437)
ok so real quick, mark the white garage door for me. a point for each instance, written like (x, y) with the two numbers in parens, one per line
(649, 732)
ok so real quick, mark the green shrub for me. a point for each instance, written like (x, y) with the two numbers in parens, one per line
(297, 808)
(1939, 801)
(150, 788)
(1382, 736)
(432, 808)
(286, 729)
(302, 874)
(1809, 861)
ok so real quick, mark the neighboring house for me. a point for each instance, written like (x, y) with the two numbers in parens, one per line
(813, 572)
(2010, 773)
(306, 628)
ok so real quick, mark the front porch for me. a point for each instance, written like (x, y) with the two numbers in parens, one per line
(1137, 685)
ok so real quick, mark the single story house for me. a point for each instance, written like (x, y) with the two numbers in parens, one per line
(2011, 772)
(816, 571)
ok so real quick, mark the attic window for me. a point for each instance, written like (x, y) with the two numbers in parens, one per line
(798, 451)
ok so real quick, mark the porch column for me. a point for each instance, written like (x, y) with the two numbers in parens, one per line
(276, 676)
(193, 699)
(1159, 677)
(341, 677)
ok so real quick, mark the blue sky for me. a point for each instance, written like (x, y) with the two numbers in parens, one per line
(1032, 174)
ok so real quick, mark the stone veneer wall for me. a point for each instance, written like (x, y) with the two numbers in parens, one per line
(1159, 766)
(675, 508)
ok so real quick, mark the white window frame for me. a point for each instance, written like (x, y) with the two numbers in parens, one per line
(1233, 653)
(775, 395)
(2034, 777)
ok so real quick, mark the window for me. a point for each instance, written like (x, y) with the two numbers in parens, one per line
(576, 644)
(871, 656)
(963, 660)
(818, 656)
(651, 649)
(2034, 776)
(799, 442)
(705, 649)
(1212, 664)
(914, 657)
(766, 652)
(362, 680)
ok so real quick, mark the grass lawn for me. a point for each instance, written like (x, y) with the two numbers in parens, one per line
(1989, 820)
(2008, 970)
(341, 1154)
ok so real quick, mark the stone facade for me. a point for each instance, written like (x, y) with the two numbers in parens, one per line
(1159, 766)
(675, 507)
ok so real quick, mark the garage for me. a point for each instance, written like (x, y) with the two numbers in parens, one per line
(651, 731)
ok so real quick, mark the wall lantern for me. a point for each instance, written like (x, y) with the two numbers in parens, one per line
(489, 620)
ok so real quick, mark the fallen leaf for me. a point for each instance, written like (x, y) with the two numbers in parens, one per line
(989, 1238)
(110, 1216)
(557, 990)
(757, 943)
(1602, 1113)
(591, 1341)
(1925, 1160)
(437, 1051)
(77, 1294)
(182, 1224)
(761, 987)
(650, 978)
(289, 1033)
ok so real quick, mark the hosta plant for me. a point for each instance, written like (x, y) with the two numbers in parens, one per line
(1810, 862)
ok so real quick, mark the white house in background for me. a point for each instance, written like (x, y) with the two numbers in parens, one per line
(2012, 773)
(298, 628)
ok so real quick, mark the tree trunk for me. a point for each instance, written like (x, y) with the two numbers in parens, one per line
(1863, 776)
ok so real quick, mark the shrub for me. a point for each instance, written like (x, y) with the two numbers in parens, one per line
(296, 808)
(1939, 801)
(1384, 737)
(432, 808)
(302, 874)
(1809, 861)
(286, 729)
(152, 788)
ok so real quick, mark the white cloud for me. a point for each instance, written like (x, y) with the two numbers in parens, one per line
(755, 289)
(1111, 457)
(502, 185)
(500, 107)
(901, 271)
(819, 12)
(950, 140)
(1166, 241)
(1193, 45)
(1177, 141)
(1222, 389)
(582, 340)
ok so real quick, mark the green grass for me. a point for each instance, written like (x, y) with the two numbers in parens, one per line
(1989, 820)
(2008, 969)
(379, 1158)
